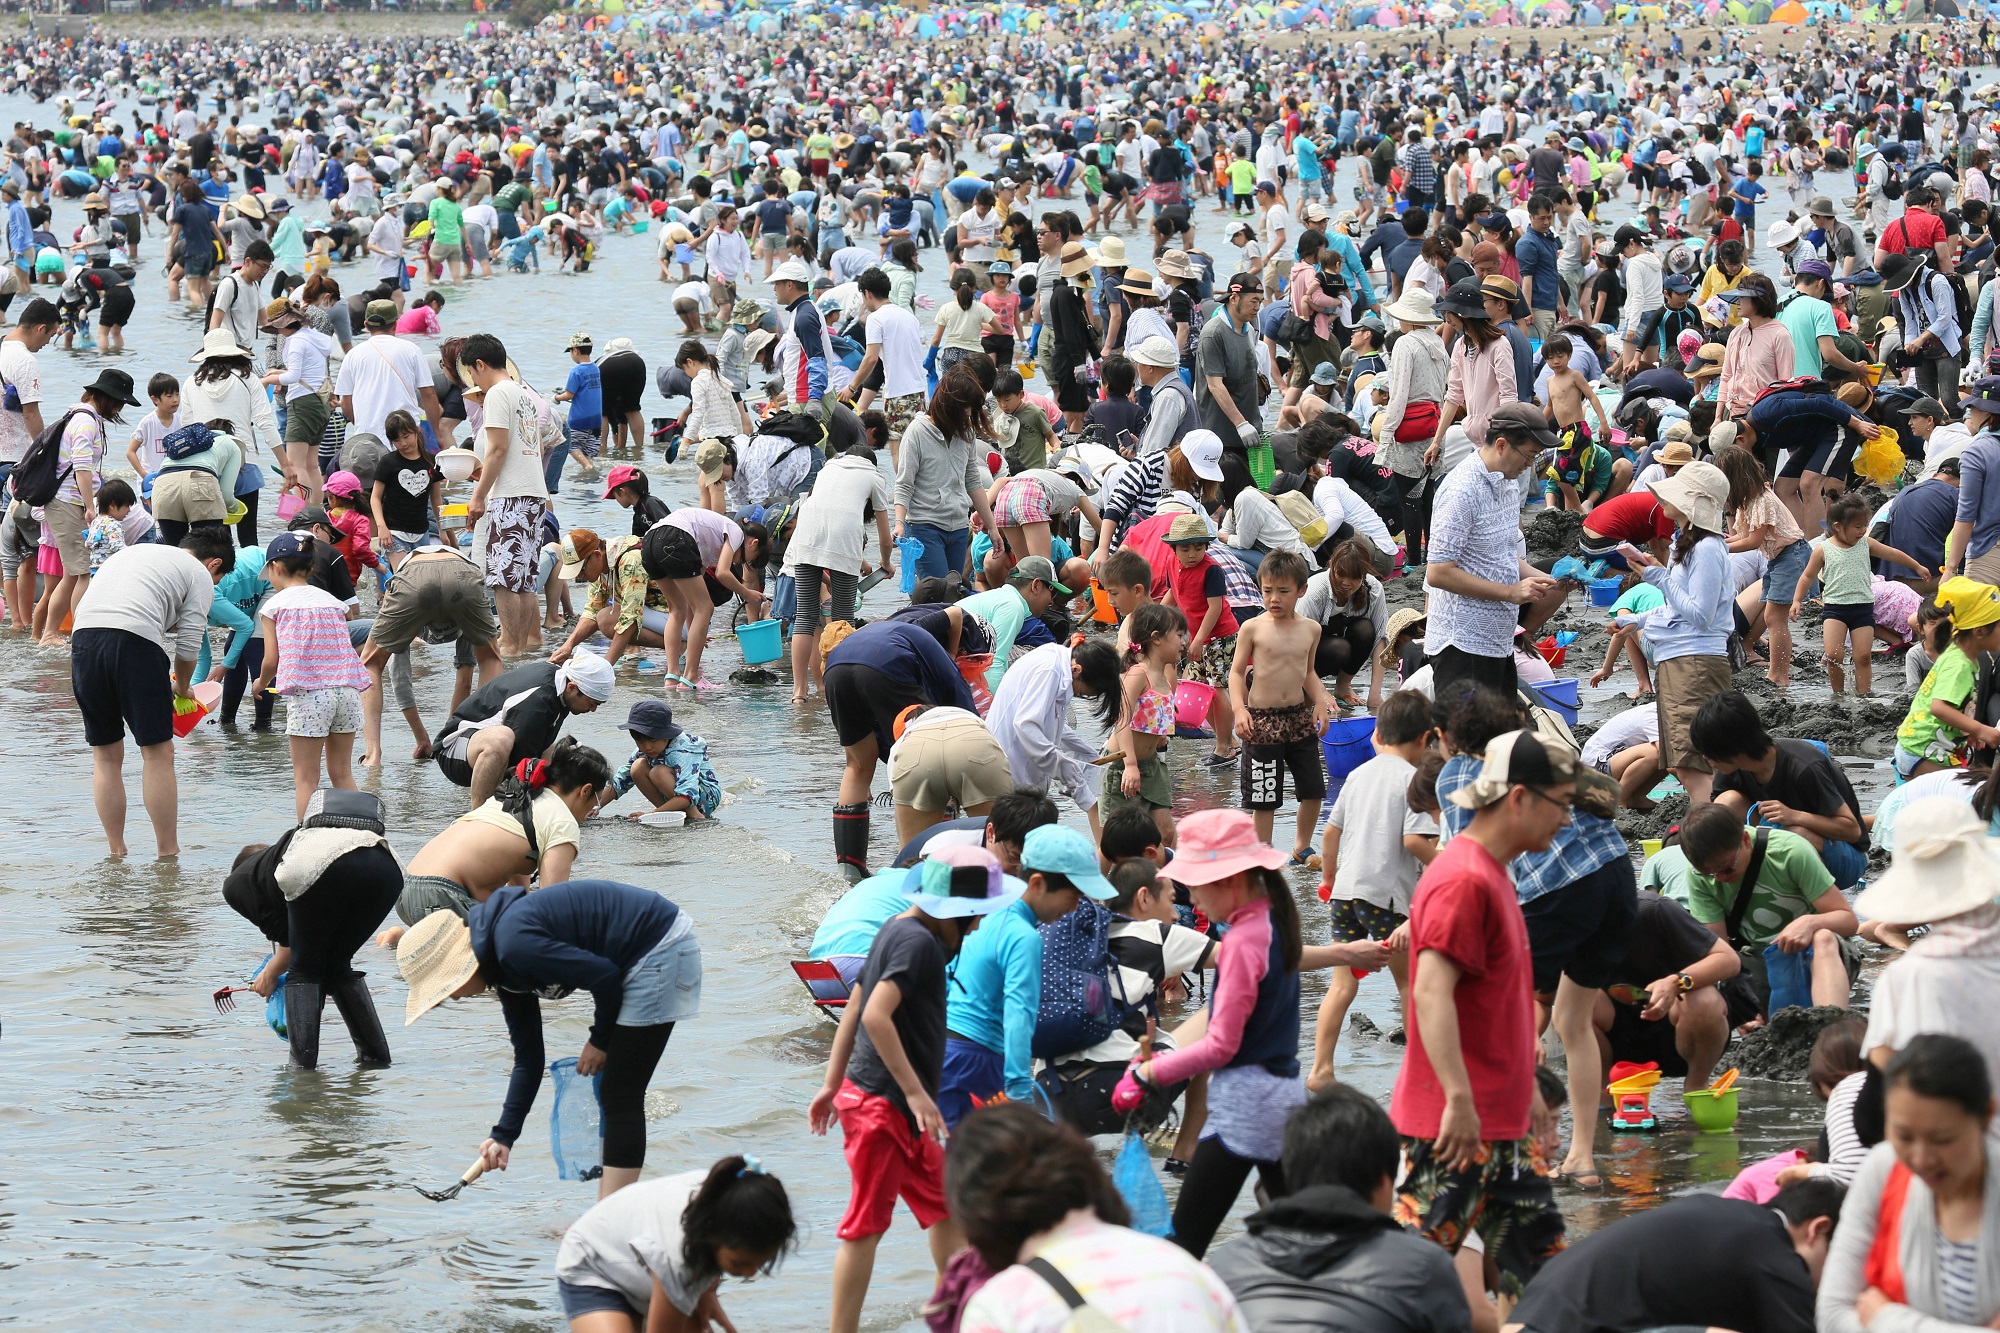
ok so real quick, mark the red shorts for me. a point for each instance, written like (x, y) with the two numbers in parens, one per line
(820, 166)
(886, 1159)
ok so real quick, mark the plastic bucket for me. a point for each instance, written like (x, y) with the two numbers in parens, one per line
(289, 504)
(1712, 1113)
(1191, 700)
(763, 641)
(908, 551)
(1604, 592)
(1100, 601)
(1651, 847)
(1560, 695)
(1347, 745)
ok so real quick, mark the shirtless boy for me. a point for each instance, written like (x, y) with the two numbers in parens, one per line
(1568, 391)
(1282, 710)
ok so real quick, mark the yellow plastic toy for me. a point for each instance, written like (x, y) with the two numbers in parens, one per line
(1631, 1091)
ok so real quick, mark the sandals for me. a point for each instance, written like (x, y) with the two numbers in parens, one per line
(1220, 760)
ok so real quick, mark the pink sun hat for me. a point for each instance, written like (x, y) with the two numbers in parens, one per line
(1215, 844)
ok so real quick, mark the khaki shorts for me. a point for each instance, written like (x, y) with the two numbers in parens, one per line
(189, 495)
(1984, 568)
(62, 528)
(946, 764)
(1685, 684)
(432, 590)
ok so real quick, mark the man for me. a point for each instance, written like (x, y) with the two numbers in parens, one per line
(1919, 234)
(1809, 316)
(978, 230)
(142, 599)
(239, 298)
(896, 346)
(622, 599)
(20, 233)
(385, 242)
(1644, 292)
(1538, 251)
(21, 382)
(1702, 1261)
(1401, 240)
(1675, 996)
(383, 375)
(1833, 239)
(1927, 308)
(1419, 171)
(1326, 1253)
(1476, 575)
(517, 715)
(1547, 163)
(1465, 1100)
(1974, 543)
(1757, 888)
(802, 350)
(1030, 589)
(1918, 522)
(511, 494)
(1783, 783)
(1227, 389)
(1173, 413)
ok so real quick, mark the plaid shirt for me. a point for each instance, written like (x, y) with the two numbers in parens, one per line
(1587, 844)
(1419, 169)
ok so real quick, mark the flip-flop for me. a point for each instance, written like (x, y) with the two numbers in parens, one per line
(1589, 1181)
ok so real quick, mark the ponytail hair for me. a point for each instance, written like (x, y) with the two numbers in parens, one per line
(741, 1206)
(961, 287)
(1284, 915)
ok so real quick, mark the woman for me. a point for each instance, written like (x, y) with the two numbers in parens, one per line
(1689, 633)
(713, 412)
(944, 759)
(1030, 717)
(1419, 379)
(939, 480)
(1916, 1246)
(1143, 316)
(654, 1255)
(1075, 339)
(902, 268)
(1254, 526)
(622, 373)
(527, 830)
(192, 488)
(1480, 375)
(447, 231)
(223, 387)
(1603, 293)
(306, 381)
(1347, 602)
(1032, 506)
(317, 894)
(1801, 159)
(324, 309)
(962, 323)
(1760, 353)
(1191, 470)
(828, 546)
(1027, 1191)
(632, 949)
(682, 553)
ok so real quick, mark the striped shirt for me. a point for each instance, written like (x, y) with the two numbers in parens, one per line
(314, 649)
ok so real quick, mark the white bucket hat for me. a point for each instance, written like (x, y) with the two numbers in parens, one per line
(1155, 351)
(1416, 306)
(1944, 866)
(1700, 491)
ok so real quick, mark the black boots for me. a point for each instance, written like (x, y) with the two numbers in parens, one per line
(357, 1010)
(303, 1003)
(850, 841)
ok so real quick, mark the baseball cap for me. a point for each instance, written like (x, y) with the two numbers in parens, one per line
(314, 516)
(1927, 407)
(1203, 451)
(578, 342)
(285, 545)
(1676, 282)
(1516, 759)
(792, 270)
(1053, 849)
(577, 548)
(1815, 268)
(710, 457)
(379, 313)
(622, 475)
(652, 719)
(1031, 568)
(1517, 419)
(1630, 235)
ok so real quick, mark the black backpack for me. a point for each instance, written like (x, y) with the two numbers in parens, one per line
(1698, 173)
(40, 474)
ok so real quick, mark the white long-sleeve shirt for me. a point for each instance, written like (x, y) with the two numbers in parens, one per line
(728, 255)
(1256, 522)
(712, 413)
(305, 355)
(159, 593)
(1643, 293)
(242, 401)
(1030, 719)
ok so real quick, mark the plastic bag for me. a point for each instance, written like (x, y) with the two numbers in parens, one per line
(1791, 978)
(576, 1122)
(274, 1007)
(1880, 459)
(1144, 1194)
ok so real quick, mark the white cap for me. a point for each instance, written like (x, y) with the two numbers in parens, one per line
(793, 270)
(1203, 451)
(1155, 351)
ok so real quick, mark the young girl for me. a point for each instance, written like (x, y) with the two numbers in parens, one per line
(1760, 522)
(343, 504)
(1252, 1041)
(1935, 733)
(1635, 598)
(1158, 633)
(305, 633)
(1005, 303)
(1847, 592)
(668, 1243)
(1930, 628)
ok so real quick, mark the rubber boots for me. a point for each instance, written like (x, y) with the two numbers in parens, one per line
(303, 1003)
(850, 841)
(364, 1025)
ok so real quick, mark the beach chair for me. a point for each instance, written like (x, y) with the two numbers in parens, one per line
(823, 983)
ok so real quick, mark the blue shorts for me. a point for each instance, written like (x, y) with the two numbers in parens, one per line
(579, 1300)
(970, 1070)
(1781, 577)
(665, 985)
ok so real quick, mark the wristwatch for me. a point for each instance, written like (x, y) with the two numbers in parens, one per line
(1686, 982)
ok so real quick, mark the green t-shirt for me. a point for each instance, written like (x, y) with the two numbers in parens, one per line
(1952, 679)
(1242, 175)
(1807, 317)
(511, 196)
(1638, 599)
(445, 216)
(1666, 873)
(1792, 879)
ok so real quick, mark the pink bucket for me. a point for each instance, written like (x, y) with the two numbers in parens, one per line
(1191, 700)
(289, 504)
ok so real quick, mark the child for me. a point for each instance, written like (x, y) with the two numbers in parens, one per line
(898, 214)
(1841, 564)
(1155, 635)
(144, 452)
(669, 767)
(1201, 593)
(1115, 413)
(1935, 733)
(1033, 440)
(1582, 469)
(1005, 303)
(524, 251)
(305, 632)
(1745, 193)
(1127, 579)
(1281, 714)
(1374, 849)
(1930, 627)
(1637, 598)
(116, 501)
(104, 536)
(407, 491)
(344, 508)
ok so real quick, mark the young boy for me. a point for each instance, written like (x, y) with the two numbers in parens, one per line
(144, 453)
(1582, 470)
(1201, 593)
(1281, 714)
(407, 490)
(883, 1075)
(669, 766)
(1375, 848)
(1744, 194)
(1127, 579)
(116, 502)
(1033, 441)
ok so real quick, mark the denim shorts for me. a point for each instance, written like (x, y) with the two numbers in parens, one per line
(665, 985)
(1781, 578)
(579, 1299)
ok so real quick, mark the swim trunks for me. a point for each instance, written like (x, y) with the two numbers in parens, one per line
(1278, 739)
(424, 894)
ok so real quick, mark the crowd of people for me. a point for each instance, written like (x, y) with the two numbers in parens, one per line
(1153, 508)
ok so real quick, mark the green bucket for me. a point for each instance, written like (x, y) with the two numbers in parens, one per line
(1712, 1114)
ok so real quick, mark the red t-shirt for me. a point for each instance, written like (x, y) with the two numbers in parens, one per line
(1465, 909)
(1914, 233)
(1192, 589)
(1634, 517)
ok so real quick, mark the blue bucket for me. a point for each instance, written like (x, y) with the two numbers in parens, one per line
(763, 641)
(908, 551)
(1346, 745)
(1604, 592)
(1560, 695)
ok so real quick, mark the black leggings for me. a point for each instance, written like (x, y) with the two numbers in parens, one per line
(236, 681)
(1344, 645)
(1416, 516)
(339, 913)
(246, 527)
(630, 1057)
(1214, 1178)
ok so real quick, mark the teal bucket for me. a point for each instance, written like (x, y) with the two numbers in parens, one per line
(763, 641)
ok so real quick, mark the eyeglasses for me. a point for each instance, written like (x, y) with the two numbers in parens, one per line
(1541, 795)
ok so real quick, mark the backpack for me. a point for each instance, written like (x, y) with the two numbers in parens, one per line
(40, 474)
(1304, 516)
(1079, 977)
(1698, 173)
(1801, 384)
(1892, 188)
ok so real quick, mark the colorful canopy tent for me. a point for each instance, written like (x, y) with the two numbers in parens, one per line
(1789, 12)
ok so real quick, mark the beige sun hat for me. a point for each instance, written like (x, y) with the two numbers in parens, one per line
(436, 958)
(218, 343)
(1076, 260)
(1699, 490)
(1111, 251)
(250, 206)
(1416, 306)
(1174, 264)
(1944, 866)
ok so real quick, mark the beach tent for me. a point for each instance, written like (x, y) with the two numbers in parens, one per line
(1789, 12)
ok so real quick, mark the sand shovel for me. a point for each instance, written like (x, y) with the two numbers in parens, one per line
(1725, 1083)
(472, 1173)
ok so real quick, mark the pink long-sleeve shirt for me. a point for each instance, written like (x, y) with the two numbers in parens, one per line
(1240, 965)
(1754, 360)
(1480, 382)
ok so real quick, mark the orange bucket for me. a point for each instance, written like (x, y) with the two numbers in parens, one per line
(1101, 600)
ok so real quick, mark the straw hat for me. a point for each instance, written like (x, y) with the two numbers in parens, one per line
(1404, 619)
(1075, 260)
(1699, 491)
(1215, 844)
(1137, 282)
(1111, 251)
(435, 956)
(218, 343)
(1944, 866)
(1416, 306)
(250, 206)
(1188, 530)
(1174, 264)
(1678, 453)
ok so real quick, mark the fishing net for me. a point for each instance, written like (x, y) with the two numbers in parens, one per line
(1144, 1194)
(576, 1122)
